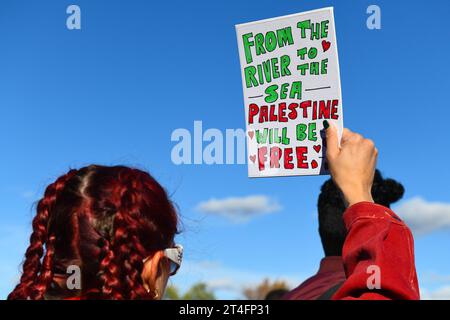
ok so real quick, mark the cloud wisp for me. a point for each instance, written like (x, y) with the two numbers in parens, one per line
(441, 293)
(240, 209)
(424, 217)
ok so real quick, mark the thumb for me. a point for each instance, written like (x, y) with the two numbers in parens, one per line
(332, 140)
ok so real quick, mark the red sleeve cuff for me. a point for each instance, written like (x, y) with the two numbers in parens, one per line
(368, 210)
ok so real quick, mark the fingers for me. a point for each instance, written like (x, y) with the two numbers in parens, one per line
(346, 136)
(332, 142)
(346, 133)
(350, 136)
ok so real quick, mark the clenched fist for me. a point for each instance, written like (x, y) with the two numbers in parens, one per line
(352, 165)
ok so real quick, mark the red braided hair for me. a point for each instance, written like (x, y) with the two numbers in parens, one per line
(105, 220)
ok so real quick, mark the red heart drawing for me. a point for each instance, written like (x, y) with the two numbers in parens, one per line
(253, 158)
(326, 45)
(251, 134)
(317, 148)
(314, 164)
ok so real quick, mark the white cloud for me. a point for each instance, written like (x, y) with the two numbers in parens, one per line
(423, 216)
(434, 286)
(435, 278)
(28, 194)
(442, 293)
(240, 209)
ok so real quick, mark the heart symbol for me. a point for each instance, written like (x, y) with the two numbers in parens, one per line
(326, 45)
(317, 148)
(314, 164)
(253, 158)
(251, 134)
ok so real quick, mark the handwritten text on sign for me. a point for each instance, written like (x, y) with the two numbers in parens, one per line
(290, 75)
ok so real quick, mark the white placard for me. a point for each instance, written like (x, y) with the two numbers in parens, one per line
(290, 76)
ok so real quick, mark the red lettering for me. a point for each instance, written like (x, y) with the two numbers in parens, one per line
(275, 156)
(253, 110)
(262, 152)
(288, 159)
(301, 157)
(334, 109)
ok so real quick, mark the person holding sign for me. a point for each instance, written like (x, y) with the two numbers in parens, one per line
(378, 252)
(292, 93)
(331, 207)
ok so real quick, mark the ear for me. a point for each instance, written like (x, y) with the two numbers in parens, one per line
(150, 271)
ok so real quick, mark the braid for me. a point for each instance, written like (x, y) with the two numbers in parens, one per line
(46, 274)
(133, 284)
(33, 255)
(130, 251)
(108, 275)
(129, 255)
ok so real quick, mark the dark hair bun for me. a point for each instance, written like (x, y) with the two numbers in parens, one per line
(386, 191)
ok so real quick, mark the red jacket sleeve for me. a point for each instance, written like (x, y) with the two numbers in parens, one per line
(378, 255)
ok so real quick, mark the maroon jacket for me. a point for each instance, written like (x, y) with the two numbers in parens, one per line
(377, 239)
(331, 273)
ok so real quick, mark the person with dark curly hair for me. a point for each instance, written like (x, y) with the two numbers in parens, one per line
(358, 231)
(331, 206)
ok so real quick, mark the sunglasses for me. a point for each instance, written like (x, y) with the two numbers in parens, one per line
(174, 256)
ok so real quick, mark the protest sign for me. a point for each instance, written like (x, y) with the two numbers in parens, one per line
(290, 76)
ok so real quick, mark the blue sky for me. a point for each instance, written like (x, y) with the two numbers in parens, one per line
(113, 92)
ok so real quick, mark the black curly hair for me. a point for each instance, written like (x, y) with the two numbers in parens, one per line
(331, 207)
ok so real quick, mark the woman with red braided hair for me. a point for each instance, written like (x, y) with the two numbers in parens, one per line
(115, 224)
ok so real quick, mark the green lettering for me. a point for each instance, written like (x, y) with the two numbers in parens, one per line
(296, 90)
(285, 61)
(301, 132)
(324, 27)
(324, 66)
(249, 74)
(314, 68)
(247, 45)
(259, 46)
(284, 37)
(312, 53)
(303, 25)
(303, 68)
(271, 92)
(261, 137)
(312, 133)
(271, 41)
